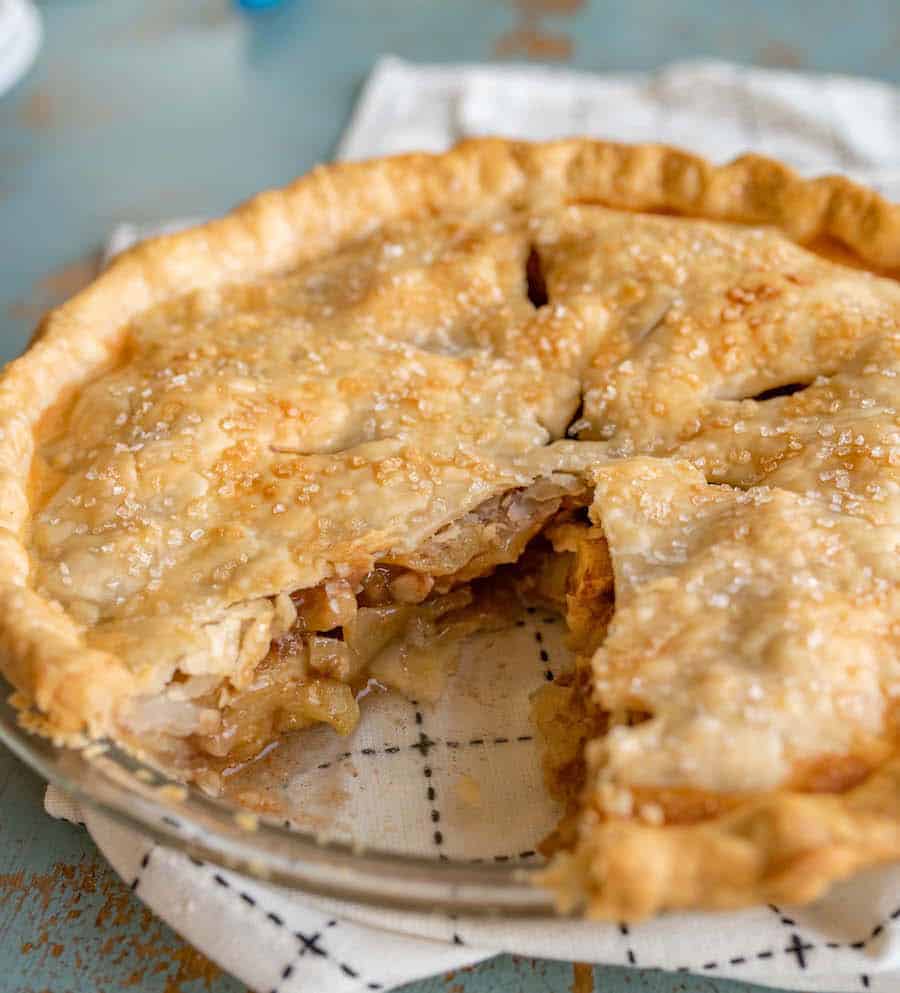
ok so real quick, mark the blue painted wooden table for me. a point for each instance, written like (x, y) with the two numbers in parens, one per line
(142, 111)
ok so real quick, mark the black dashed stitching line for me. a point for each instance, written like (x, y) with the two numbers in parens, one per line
(247, 898)
(502, 857)
(787, 921)
(833, 945)
(625, 931)
(424, 746)
(428, 743)
(145, 861)
(308, 942)
(798, 945)
(544, 656)
(776, 910)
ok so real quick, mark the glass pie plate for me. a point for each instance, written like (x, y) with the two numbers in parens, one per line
(427, 806)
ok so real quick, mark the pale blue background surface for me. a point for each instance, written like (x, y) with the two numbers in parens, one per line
(148, 110)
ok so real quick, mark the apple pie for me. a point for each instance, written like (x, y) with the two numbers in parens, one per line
(259, 463)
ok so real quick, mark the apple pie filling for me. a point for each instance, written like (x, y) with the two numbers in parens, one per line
(399, 622)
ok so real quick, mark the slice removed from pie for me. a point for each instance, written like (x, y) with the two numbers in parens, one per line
(303, 658)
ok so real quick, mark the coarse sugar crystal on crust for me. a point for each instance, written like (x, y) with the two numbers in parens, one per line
(259, 460)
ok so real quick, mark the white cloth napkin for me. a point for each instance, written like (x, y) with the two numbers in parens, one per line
(21, 33)
(479, 742)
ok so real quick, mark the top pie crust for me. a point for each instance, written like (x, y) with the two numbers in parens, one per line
(337, 371)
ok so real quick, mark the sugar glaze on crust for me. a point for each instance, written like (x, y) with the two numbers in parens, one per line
(335, 372)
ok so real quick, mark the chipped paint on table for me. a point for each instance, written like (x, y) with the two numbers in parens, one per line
(111, 126)
(67, 922)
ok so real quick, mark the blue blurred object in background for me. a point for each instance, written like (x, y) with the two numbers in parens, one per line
(258, 4)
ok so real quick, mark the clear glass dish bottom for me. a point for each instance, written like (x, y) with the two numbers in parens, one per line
(429, 805)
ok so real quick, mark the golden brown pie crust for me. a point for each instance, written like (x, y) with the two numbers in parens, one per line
(781, 312)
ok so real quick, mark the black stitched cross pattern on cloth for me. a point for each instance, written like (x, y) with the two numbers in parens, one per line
(454, 777)
(459, 778)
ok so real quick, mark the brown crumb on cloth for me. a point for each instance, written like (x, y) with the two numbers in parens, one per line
(468, 790)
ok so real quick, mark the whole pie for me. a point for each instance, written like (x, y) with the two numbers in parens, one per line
(261, 462)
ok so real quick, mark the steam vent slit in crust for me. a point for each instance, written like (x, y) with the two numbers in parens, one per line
(263, 461)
